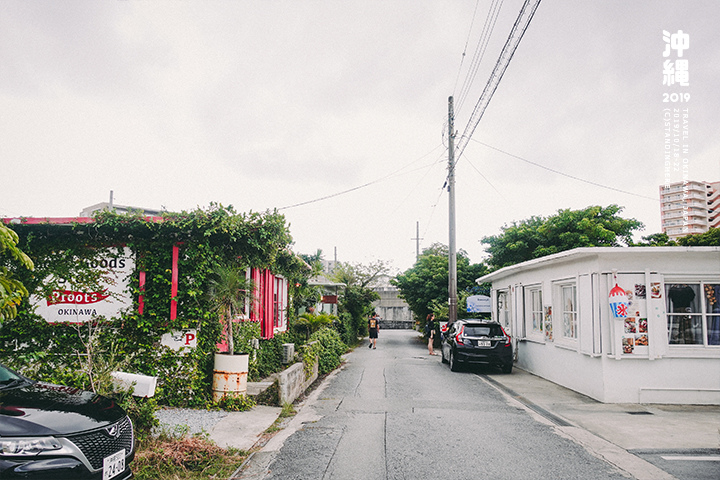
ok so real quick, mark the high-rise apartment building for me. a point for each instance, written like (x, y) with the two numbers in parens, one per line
(689, 207)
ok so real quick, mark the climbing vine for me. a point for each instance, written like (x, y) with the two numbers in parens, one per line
(68, 255)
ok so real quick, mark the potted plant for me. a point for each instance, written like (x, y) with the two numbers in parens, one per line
(228, 290)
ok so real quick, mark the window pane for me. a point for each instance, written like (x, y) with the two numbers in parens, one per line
(685, 329)
(712, 298)
(569, 311)
(713, 329)
(683, 298)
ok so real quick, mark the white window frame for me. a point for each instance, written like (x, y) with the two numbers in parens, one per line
(561, 314)
(503, 314)
(534, 312)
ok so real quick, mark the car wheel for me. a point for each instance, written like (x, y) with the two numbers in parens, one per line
(507, 368)
(454, 366)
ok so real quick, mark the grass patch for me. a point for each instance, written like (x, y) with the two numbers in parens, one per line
(188, 458)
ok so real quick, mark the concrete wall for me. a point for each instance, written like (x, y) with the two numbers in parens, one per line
(292, 382)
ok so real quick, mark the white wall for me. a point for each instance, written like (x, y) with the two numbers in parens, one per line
(597, 363)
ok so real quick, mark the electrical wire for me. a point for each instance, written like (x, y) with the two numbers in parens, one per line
(378, 180)
(527, 12)
(480, 49)
(565, 174)
(467, 42)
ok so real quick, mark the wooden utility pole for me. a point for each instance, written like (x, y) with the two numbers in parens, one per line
(452, 249)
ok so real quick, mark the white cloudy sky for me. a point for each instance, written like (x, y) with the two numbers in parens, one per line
(269, 104)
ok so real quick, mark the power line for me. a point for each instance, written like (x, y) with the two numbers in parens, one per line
(564, 174)
(395, 173)
(467, 42)
(518, 30)
(480, 49)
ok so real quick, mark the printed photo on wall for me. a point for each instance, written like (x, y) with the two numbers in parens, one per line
(548, 323)
(628, 344)
(642, 325)
(641, 340)
(630, 326)
(640, 290)
(655, 290)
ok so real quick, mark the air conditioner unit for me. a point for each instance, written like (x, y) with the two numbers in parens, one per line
(288, 355)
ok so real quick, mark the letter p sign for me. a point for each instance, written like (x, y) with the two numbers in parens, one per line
(190, 338)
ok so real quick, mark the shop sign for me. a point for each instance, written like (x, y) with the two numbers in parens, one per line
(180, 339)
(479, 304)
(74, 306)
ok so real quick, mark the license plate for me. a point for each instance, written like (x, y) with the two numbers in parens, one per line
(483, 343)
(114, 465)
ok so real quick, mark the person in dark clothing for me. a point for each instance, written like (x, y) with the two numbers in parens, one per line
(430, 332)
(373, 328)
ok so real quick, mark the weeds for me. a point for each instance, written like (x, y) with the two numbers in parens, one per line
(189, 457)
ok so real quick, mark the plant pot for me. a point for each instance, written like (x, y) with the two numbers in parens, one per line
(230, 375)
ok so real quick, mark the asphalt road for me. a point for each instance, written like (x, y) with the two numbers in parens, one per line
(397, 413)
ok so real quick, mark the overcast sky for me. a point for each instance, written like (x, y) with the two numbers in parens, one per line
(263, 105)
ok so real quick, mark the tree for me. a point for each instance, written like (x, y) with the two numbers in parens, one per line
(12, 291)
(425, 286)
(228, 291)
(655, 240)
(593, 226)
(357, 297)
(711, 238)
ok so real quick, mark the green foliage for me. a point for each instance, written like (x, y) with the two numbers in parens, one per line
(357, 302)
(711, 238)
(12, 291)
(233, 403)
(228, 291)
(655, 240)
(310, 323)
(593, 226)
(425, 286)
(357, 298)
(331, 348)
(206, 238)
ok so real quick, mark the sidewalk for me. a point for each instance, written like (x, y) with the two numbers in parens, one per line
(629, 426)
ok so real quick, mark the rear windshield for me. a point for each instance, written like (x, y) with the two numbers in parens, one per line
(483, 331)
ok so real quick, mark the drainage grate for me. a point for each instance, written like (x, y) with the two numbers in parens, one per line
(640, 413)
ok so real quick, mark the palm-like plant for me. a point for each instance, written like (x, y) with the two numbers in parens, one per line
(228, 289)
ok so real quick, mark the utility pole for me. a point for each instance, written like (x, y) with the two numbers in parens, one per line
(452, 254)
(417, 241)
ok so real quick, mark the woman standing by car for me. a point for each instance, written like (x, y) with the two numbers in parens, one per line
(430, 332)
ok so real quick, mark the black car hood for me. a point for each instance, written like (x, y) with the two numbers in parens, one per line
(45, 409)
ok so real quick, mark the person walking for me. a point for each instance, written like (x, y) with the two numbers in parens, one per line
(430, 332)
(373, 328)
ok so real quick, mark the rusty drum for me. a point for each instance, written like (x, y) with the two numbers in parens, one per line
(230, 375)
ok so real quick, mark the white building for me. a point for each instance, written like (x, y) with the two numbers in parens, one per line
(667, 348)
(689, 207)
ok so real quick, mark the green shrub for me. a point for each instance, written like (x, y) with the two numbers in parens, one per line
(331, 349)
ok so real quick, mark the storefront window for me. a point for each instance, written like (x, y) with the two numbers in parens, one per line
(569, 311)
(712, 309)
(693, 313)
(536, 310)
(503, 308)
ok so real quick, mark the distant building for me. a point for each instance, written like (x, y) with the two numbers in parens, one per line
(99, 207)
(393, 311)
(689, 207)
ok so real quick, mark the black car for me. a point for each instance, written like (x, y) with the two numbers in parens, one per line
(55, 432)
(477, 342)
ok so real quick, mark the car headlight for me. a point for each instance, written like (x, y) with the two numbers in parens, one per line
(28, 446)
